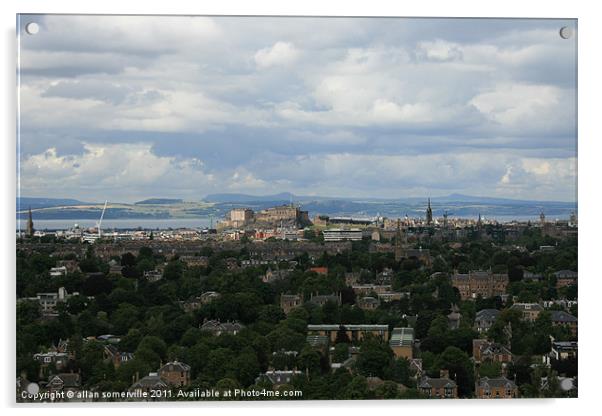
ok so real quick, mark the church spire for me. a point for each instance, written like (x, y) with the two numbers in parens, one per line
(429, 213)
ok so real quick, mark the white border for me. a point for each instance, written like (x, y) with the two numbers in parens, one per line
(589, 196)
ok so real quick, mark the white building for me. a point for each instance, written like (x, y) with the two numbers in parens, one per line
(338, 234)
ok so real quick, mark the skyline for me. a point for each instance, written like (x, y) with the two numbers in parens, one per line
(128, 109)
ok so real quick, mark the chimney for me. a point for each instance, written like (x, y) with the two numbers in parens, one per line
(444, 374)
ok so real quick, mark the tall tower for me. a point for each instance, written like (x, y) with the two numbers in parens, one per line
(544, 225)
(429, 214)
(479, 226)
(398, 237)
(445, 219)
(30, 229)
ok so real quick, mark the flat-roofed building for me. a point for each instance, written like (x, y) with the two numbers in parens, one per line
(352, 331)
(402, 342)
(340, 234)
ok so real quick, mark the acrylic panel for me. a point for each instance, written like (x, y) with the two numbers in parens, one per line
(295, 208)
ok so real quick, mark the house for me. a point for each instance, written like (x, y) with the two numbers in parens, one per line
(208, 297)
(58, 271)
(360, 290)
(195, 261)
(116, 269)
(275, 275)
(438, 388)
(368, 303)
(384, 277)
(565, 278)
(71, 265)
(49, 301)
(148, 383)
(565, 319)
(278, 377)
(58, 359)
(175, 373)
(495, 388)
(321, 300)
(153, 275)
(485, 318)
(484, 350)
(290, 302)
(563, 350)
(402, 342)
(376, 382)
(563, 303)
(64, 382)
(532, 277)
(320, 270)
(352, 278)
(392, 296)
(530, 311)
(112, 354)
(217, 328)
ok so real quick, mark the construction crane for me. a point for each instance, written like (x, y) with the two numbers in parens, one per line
(99, 223)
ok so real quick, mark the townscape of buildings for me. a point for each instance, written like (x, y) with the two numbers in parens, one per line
(383, 308)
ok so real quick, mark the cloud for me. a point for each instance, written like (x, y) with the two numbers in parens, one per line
(110, 170)
(279, 54)
(439, 50)
(310, 105)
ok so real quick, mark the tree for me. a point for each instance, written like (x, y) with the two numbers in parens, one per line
(460, 368)
(247, 368)
(124, 318)
(373, 359)
(95, 284)
(271, 313)
(400, 371)
(387, 390)
(491, 369)
(309, 360)
(128, 259)
(357, 389)
(341, 352)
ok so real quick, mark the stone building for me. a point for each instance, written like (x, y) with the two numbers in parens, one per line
(175, 373)
(496, 388)
(290, 302)
(484, 283)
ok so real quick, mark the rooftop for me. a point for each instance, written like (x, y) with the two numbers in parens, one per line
(401, 337)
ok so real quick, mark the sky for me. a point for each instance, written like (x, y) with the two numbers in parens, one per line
(123, 108)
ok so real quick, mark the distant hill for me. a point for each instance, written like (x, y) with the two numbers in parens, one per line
(458, 198)
(238, 198)
(159, 201)
(218, 205)
(24, 203)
